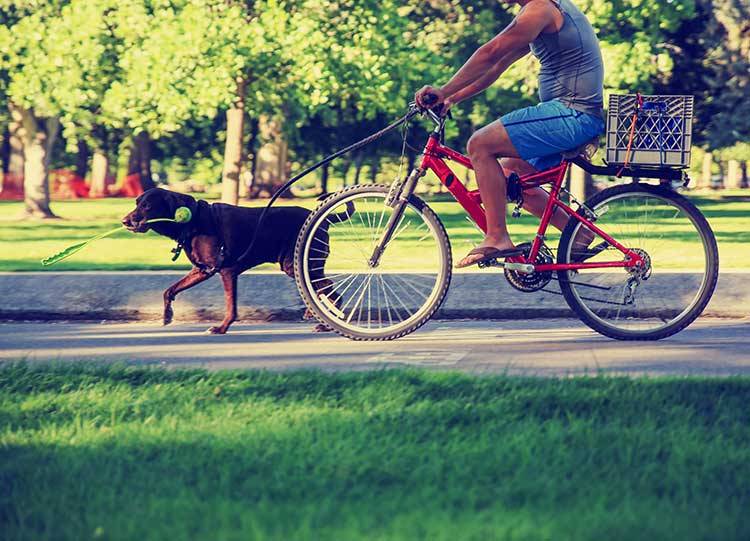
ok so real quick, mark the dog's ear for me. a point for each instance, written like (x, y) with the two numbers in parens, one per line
(176, 200)
(187, 201)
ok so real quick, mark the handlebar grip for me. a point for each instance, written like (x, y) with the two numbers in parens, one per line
(429, 99)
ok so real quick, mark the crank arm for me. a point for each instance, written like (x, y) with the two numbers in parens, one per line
(523, 268)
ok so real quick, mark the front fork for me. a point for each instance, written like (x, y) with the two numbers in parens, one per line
(398, 199)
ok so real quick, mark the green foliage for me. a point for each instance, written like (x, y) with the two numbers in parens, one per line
(333, 69)
(59, 59)
(739, 151)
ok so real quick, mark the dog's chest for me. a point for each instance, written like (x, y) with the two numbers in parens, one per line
(204, 251)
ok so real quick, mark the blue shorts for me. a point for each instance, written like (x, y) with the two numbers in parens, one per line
(543, 132)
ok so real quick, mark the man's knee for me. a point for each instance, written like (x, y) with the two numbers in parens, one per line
(492, 140)
(478, 144)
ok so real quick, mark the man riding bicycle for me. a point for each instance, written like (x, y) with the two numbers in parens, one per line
(530, 139)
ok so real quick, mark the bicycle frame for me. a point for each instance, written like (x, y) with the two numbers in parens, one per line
(433, 158)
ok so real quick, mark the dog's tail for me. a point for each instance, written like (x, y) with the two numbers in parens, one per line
(339, 217)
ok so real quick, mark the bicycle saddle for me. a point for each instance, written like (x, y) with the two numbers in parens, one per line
(586, 151)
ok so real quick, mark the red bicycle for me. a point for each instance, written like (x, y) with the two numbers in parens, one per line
(373, 262)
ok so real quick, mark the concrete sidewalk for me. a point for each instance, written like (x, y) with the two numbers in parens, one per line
(266, 296)
(536, 347)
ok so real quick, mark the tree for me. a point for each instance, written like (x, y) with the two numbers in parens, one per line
(54, 71)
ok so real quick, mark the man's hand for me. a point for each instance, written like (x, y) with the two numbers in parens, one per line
(424, 91)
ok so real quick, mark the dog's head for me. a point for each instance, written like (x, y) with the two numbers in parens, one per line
(157, 203)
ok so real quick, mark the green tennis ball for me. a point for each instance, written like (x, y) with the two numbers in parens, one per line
(183, 215)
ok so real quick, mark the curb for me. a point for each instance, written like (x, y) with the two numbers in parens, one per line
(272, 296)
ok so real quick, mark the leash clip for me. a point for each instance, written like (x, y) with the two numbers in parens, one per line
(177, 250)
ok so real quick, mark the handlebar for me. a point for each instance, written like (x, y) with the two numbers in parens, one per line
(429, 99)
(435, 113)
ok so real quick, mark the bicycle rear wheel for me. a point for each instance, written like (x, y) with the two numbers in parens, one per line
(340, 286)
(670, 291)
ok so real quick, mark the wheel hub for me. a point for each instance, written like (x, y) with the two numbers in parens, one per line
(643, 270)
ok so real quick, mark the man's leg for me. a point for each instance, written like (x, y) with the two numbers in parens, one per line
(484, 148)
(534, 200)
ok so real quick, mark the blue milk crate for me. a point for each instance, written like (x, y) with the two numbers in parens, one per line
(663, 131)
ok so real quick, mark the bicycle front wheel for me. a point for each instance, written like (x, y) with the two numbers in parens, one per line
(345, 291)
(672, 288)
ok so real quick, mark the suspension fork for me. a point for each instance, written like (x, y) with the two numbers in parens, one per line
(398, 203)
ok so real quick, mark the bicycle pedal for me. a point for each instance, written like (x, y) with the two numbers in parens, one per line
(488, 263)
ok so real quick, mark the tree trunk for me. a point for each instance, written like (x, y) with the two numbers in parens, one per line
(708, 160)
(358, 162)
(734, 175)
(581, 184)
(745, 166)
(4, 157)
(325, 170)
(374, 169)
(251, 154)
(82, 159)
(13, 159)
(271, 163)
(233, 148)
(411, 160)
(5, 153)
(345, 170)
(38, 136)
(99, 174)
(140, 160)
(15, 142)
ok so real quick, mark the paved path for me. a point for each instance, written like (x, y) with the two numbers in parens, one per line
(535, 347)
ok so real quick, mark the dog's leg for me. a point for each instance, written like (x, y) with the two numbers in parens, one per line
(194, 277)
(229, 280)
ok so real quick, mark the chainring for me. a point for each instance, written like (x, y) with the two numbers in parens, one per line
(534, 281)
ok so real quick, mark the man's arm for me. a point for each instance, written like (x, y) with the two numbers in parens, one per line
(530, 22)
(488, 78)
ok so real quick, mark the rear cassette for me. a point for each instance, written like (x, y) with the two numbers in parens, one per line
(534, 281)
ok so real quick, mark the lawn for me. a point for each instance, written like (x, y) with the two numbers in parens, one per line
(94, 452)
(24, 244)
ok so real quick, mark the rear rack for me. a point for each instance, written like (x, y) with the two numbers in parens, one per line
(663, 173)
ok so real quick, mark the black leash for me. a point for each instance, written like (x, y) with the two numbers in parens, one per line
(359, 144)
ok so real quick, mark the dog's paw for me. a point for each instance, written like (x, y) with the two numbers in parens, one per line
(216, 330)
(321, 328)
(168, 315)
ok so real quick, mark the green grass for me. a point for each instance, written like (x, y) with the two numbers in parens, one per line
(93, 452)
(24, 244)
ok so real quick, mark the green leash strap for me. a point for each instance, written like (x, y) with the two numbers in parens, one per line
(182, 215)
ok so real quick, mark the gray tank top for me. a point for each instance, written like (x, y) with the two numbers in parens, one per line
(572, 68)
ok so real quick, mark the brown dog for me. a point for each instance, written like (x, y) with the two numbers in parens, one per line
(215, 239)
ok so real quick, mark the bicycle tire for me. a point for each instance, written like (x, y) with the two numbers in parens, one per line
(708, 284)
(308, 295)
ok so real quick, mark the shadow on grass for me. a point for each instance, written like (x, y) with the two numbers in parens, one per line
(133, 453)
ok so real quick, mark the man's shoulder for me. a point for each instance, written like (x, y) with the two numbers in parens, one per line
(539, 7)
